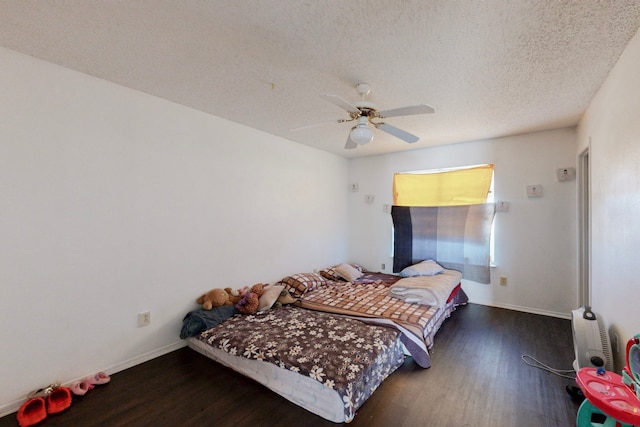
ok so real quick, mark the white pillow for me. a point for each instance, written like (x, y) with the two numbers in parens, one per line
(269, 297)
(347, 272)
(424, 268)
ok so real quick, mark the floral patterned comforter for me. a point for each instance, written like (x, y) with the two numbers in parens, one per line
(344, 354)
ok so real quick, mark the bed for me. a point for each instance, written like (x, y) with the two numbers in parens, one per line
(324, 363)
(368, 298)
(332, 349)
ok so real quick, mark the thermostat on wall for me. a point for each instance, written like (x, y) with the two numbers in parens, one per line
(566, 174)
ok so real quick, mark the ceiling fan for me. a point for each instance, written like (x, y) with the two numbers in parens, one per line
(366, 112)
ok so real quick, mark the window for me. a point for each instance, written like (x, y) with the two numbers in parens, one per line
(444, 215)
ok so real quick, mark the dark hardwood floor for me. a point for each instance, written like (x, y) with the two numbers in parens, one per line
(477, 379)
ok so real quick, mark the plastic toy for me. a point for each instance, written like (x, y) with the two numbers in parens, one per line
(631, 372)
(614, 397)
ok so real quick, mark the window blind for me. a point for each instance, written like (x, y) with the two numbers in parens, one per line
(448, 188)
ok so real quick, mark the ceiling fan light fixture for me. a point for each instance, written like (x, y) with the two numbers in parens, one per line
(365, 111)
(361, 134)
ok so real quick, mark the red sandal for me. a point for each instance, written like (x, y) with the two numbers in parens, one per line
(31, 412)
(58, 400)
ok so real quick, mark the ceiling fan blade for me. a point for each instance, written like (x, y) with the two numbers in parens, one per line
(335, 99)
(312, 125)
(350, 145)
(398, 133)
(406, 111)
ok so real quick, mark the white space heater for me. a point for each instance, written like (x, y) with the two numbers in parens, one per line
(591, 343)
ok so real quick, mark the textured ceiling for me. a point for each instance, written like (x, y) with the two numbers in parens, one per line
(489, 68)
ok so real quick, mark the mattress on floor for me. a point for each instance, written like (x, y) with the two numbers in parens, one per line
(327, 364)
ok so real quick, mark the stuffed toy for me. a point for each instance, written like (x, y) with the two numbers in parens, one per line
(214, 298)
(234, 295)
(250, 300)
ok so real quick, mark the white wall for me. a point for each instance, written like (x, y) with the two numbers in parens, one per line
(534, 241)
(612, 128)
(113, 202)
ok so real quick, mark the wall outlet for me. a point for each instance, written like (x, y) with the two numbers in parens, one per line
(534, 191)
(383, 265)
(502, 206)
(503, 280)
(144, 318)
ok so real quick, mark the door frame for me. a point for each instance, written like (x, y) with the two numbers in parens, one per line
(584, 228)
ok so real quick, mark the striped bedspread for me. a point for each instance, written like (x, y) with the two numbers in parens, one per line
(371, 303)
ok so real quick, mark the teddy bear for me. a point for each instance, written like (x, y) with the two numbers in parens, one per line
(250, 300)
(215, 298)
(234, 295)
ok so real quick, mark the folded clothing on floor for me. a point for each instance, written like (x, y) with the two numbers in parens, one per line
(200, 320)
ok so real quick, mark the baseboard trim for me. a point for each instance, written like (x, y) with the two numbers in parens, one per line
(12, 407)
(144, 357)
(526, 309)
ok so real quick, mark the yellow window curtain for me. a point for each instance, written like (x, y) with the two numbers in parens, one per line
(449, 188)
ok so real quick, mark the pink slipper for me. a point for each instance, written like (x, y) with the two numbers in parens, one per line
(80, 388)
(99, 378)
